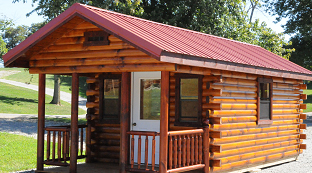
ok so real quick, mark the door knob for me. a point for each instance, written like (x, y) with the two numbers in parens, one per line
(133, 124)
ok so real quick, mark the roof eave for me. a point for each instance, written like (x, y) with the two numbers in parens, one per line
(81, 11)
(190, 60)
(21, 48)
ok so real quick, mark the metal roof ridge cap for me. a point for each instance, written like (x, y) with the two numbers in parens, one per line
(38, 34)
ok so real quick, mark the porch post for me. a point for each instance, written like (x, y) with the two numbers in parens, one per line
(164, 112)
(74, 123)
(41, 117)
(124, 120)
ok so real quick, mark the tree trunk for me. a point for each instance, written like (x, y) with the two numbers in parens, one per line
(57, 91)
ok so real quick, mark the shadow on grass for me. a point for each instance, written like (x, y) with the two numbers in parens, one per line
(66, 81)
(16, 100)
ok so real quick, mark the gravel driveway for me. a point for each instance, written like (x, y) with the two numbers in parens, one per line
(28, 127)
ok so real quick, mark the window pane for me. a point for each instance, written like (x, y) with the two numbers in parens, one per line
(150, 99)
(111, 99)
(189, 100)
(265, 101)
(264, 91)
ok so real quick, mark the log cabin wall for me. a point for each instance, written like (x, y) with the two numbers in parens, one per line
(69, 54)
(236, 140)
(105, 137)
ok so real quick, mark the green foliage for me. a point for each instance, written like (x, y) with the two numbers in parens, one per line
(261, 35)
(3, 49)
(299, 23)
(297, 12)
(3, 24)
(14, 35)
(308, 101)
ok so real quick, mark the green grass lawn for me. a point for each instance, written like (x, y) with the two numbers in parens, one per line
(18, 153)
(25, 77)
(308, 91)
(18, 100)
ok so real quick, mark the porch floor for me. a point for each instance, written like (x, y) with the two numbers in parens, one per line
(92, 167)
(85, 167)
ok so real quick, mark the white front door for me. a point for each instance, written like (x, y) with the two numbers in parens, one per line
(146, 110)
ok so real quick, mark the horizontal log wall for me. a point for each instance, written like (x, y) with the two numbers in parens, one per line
(105, 138)
(230, 102)
(237, 139)
(69, 54)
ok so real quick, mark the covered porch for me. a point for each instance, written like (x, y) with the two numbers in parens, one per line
(179, 151)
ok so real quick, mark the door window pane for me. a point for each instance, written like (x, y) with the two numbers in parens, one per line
(150, 99)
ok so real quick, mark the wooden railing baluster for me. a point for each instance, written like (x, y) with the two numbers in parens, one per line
(175, 157)
(196, 149)
(59, 146)
(184, 150)
(200, 148)
(153, 153)
(81, 141)
(170, 153)
(180, 151)
(132, 151)
(139, 151)
(192, 149)
(65, 146)
(53, 149)
(188, 152)
(48, 145)
(146, 152)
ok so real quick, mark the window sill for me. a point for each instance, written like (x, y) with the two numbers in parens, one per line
(265, 122)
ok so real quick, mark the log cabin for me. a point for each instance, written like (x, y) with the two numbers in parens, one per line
(163, 98)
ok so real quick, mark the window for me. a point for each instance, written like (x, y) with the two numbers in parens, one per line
(110, 99)
(188, 100)
(96, 38)
(265, 100)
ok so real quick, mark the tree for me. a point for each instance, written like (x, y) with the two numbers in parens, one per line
(14, 35)
(298, 14)
(57, 90)
(3, 49)
(4, 23)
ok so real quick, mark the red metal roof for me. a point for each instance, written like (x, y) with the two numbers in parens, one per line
(156, 38)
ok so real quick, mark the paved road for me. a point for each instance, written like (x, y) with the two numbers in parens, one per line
(64, 96)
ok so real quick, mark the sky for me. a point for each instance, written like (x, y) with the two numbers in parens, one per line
(17, 12)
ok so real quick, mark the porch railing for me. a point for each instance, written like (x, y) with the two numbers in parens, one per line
(57, 153)
(188, 150)
(136, 167)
